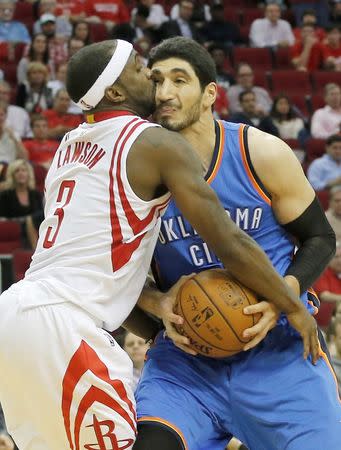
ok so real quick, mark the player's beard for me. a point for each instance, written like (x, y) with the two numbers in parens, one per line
(144, 105)
(192, 116)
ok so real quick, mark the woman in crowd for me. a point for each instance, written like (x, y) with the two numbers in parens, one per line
(38, 51)
(20, 198)
(33, 94)
(81, 31)
(285, 119)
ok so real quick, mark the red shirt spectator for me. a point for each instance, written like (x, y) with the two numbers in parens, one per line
(40, 149)
(109, 10)
(70, 8)
(221, 105)
(331, 51)
(328, 288)
(58, 119)
(306, 54)
(309, 17)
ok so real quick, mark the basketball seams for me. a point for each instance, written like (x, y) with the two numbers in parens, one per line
(219, 310)
(195, 331)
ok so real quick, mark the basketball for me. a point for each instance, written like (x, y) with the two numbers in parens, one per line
(212, 304)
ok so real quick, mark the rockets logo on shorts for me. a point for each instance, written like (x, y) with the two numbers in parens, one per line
(105, 429)
(87, 381)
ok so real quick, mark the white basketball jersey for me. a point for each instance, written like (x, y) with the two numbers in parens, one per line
(98, 236)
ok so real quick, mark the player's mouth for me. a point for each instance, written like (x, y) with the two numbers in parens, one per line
(166, 110)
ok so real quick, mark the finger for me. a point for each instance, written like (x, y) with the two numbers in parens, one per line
(256, 329)
(176, 337)
(256, 308)
(254, 341)
(175, 318)
(306, 345)
(187, 349)
(316, 348)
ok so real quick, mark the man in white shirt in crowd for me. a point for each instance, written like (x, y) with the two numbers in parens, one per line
(244, 79)
(325, 172)
(17, 118)
(326, 121)
(272, 31)
(333, 213)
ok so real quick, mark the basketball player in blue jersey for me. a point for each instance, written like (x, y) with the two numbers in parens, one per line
(269, 396)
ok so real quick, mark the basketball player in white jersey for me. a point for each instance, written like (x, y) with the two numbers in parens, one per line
(66, 384)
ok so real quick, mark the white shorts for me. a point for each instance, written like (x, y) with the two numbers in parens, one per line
(65, 383)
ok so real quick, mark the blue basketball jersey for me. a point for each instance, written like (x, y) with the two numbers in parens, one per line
(180, 250)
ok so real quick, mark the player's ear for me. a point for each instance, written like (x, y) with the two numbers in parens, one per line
(210, 94)
(114, 94)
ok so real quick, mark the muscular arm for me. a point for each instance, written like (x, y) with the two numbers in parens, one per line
(163, 158)
(292, 198)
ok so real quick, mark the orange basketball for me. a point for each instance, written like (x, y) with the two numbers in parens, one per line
(212, 305)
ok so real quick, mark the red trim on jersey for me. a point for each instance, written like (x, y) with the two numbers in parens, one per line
(84, 359)
(122, 252)
(104, 115)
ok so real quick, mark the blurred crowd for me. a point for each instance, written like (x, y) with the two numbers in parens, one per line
(278, 69)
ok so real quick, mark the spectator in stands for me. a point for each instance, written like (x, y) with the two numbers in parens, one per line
(219, 55)
(20, 197)
(136, 348)
(335, 13)
(58, 119)
(325, 172)
(137, 30)
(201, 12)
(319, 6)
(331, 50)
(57, 44)
(309, 17)
(306, 53)
(182, 25)
(74, 45)
(63, 25)
(17, 118)
(251, 116)
(221, 105)
(272, 31)
(220, 31)
(73, 10)
(156, 14)
(40, 148)
(334, 211)
(336, 358)
(326, 121)
(283, 116)
(59, 83)
(111, 12)
(328, 288)
(81, 31)
(244, 80)
(11, 146)
(11, 30)
(33, 94)
(38, 51)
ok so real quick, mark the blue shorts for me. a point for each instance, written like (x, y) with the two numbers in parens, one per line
(269, 397)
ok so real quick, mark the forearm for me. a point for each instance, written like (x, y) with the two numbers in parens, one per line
(141, 324)
(330, 297)
(149, 300)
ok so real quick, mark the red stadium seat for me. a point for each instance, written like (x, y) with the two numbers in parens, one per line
(323, 196)
(301, 102)
(261, 78)
(24, 13)
(282, 59)
(21, 262)
(98, 32)
(317, 101)
(244, 33)
(40, 175)
(232, 14)
(10, 72)
(321, 78)
(251, 14)
(10, 236)
(290, 82)
(315, 148)
(258, 58)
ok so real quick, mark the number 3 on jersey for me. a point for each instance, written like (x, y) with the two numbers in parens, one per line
(68, 187)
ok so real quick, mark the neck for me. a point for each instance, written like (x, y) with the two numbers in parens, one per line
(201, 135)
(21, 188)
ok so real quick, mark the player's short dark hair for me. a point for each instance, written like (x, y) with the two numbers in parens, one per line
(86, 65)
(191, 52)
(333, 138)
(244, 93)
